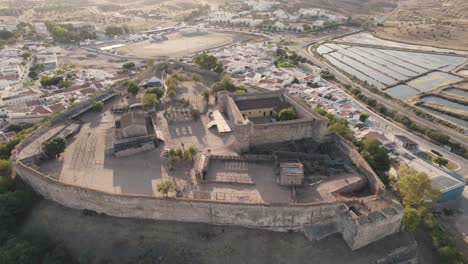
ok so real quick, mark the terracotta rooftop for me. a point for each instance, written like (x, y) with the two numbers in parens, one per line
(41, 110)
(33, 103)
(57, 107)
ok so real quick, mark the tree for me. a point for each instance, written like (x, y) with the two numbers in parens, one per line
(115, 30)
(438, 136)
(327, 75)
(206, 61)
(219, 68)
(441, 161)
(158, 91)
(150, 99)
(172, 82)
(149, 62)
(205, 93)
(54, 147)
(165, 187)
(133, 88)
(5, 168)
(196, 77)
(340, 126)
(416, 189)
(287, 114)
(72, 99)
(320, 111)
(33, 74)
(295, 80)
(240, 91)
(171, 93)
(363, 117)
(26, 55)
(375, 154)
(19, 252)
(411, 218)
(97, 106)
(128, 66)
(49, 81)
(225, 84)
(192, 150)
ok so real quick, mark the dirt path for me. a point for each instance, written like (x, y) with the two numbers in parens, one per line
(120, 240)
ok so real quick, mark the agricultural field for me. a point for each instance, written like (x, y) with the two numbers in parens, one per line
(438, 23)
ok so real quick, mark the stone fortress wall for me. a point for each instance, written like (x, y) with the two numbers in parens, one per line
(308, 124)
(357, 231)
(317, 220)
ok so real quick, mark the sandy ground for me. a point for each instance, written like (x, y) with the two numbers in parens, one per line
(438, 23)
(93, 60)
(120, 240)
(178, 45)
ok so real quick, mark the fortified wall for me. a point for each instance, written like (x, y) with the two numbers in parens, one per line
(323, 219)
(308, 125)
(317, 220)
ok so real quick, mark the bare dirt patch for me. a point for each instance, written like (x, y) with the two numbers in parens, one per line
(438, 23)
(178, 45)
(351, 7)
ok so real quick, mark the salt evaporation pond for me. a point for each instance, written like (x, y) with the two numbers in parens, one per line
(445, 103)
(433, 80)
(401, 92)
(452, 119)
(457, 92)
(385, 67)
(463, 72)
(366, 38)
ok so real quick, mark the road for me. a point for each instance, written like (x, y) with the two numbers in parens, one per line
(394, 129)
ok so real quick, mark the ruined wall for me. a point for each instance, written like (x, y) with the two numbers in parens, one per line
(348, 149)
(359, 231)
(228, 106)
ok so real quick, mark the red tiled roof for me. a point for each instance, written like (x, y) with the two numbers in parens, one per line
(41, 110)
(57, 107)
(98, 85)
(9, 135)
(310, 77)
(33, 103)
(376, 135)
(86, 91)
